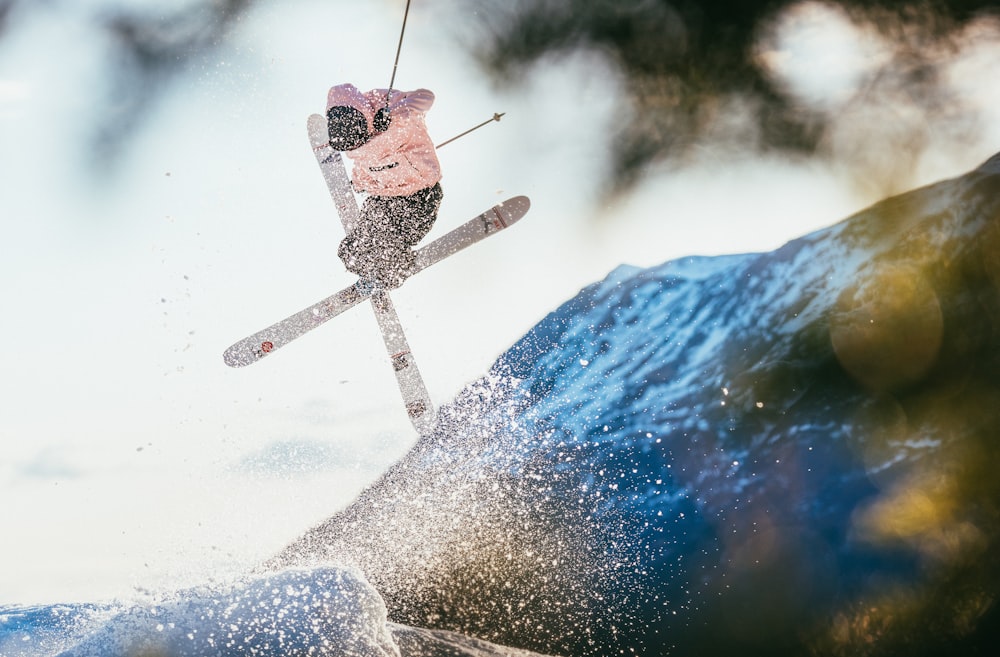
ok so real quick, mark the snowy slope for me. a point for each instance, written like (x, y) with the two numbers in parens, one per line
(767, 451)
(779, 453)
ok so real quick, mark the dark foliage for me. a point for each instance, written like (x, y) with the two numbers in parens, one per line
(683, 60)
(5, 10)
(152, 48)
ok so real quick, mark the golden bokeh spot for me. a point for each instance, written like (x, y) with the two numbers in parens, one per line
(925, 513)
(886, 330)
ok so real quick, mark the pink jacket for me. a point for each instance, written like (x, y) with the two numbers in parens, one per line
(401, 160)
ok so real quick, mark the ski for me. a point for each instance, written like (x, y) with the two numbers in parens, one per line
(416, 398)
(253, 348)
(331, 164)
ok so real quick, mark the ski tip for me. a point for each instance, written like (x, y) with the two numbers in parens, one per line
(517, 201)
(240, 355)
(514, 208)
(230, 358)
(423, 417)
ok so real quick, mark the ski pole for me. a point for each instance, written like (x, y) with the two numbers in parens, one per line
(399, 47)
(496, 117)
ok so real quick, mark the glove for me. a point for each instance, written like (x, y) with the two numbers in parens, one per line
(382, 120)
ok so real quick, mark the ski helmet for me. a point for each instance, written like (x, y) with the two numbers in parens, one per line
(347, 127)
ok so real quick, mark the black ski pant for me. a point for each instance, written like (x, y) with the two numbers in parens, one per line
(380, 247)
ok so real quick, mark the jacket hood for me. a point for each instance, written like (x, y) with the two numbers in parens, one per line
(349, 95)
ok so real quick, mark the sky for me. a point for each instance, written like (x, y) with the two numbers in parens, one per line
(125, 436)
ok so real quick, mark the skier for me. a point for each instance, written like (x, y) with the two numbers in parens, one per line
(396, 165)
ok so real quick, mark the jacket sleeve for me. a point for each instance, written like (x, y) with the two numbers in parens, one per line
(419, 100)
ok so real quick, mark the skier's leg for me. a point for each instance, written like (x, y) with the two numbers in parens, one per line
(347, 253)
(420, 214)
(360, 251)
(372, 249)
(390, 226)
(413, 218)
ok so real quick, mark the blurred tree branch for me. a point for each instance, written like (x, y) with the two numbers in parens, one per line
(5, 9)
(689, 70)
(684, 63)
(152, 48)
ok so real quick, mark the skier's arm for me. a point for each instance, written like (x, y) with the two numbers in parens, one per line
(419, 100)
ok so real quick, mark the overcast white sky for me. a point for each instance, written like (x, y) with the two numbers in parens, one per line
(122, 432)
